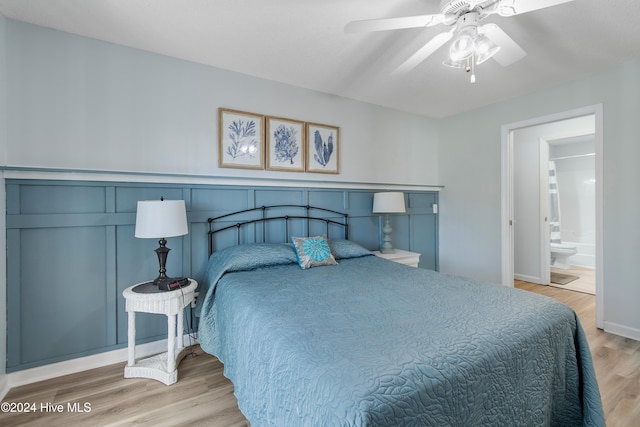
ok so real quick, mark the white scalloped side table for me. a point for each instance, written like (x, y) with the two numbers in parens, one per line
(162, 367)
(401, 257)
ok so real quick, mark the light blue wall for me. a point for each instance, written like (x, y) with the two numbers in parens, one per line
(79, 103)
(470, 169)
(3, 92)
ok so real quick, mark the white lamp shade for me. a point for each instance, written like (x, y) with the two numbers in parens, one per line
(388, 202)
(161, 219)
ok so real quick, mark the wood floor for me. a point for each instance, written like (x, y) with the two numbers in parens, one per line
(201, 397)
(204, 397)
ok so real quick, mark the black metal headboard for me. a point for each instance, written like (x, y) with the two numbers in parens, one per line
(263, 218)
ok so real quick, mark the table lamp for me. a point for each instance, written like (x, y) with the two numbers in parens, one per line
(388, 203)
(159, 219)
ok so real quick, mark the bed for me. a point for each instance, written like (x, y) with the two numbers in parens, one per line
(364, 341)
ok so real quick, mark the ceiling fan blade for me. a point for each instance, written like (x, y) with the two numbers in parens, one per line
(424, 52)
(385, 24)
(517, 7)
(509, 51)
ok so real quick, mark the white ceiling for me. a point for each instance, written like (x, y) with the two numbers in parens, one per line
(302, 43)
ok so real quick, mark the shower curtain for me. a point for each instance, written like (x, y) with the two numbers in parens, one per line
(554, 205)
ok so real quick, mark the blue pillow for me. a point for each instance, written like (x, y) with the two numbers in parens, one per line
(253, 255)
(313, 251)
(341, 249)
(243, 258)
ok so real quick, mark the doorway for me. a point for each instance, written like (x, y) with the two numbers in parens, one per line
(541, 132)
(571, 195)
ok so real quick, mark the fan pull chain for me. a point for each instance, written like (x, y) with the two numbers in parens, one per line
(473, 68)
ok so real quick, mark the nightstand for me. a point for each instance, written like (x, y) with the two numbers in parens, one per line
(401, 257)
(162, 367)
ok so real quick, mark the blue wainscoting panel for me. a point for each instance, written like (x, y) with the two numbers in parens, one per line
(62, 294)
(217, 201)
(71, 251)
(279, 197)
(423, 201)
(334, 200)
(127, 197)
(361, 201)
(62, 199)
(199, 249)
(364, 230)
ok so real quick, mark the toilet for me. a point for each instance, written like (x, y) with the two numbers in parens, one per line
(560, 253)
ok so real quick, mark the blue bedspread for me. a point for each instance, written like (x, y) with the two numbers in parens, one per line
(369, 342)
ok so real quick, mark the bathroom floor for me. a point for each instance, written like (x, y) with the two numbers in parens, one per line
(586, 282)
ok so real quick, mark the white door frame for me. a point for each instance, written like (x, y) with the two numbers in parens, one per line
(545, 246)
(507, 195)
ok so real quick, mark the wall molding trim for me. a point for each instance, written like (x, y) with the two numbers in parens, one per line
(16, 172)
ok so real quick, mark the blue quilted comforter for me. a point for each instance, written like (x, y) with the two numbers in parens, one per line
(369, 342)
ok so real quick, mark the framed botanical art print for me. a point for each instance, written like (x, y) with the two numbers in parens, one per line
(285, 144)
(240, 139)
(323, 148)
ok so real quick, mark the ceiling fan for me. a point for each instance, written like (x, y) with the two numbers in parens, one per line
(473, 43)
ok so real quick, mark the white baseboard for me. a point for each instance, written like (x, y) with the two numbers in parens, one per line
(41, 373)
(4, 386)
(621, 330)
(529, 279)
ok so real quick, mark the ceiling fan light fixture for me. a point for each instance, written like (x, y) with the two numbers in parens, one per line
(462, 48)
(467, 33)
(456, 64)
(485, 49)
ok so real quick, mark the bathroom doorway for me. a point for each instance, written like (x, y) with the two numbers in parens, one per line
(554, 210)
(573, 139)
(571, 182)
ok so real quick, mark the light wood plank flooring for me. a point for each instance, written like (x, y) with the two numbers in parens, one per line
(203, 396)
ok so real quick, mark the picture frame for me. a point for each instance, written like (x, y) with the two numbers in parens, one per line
(286, 144)
(323, 148)
(240, 139)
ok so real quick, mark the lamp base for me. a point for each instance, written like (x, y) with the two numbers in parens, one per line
(162, 281)
(387, 247)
